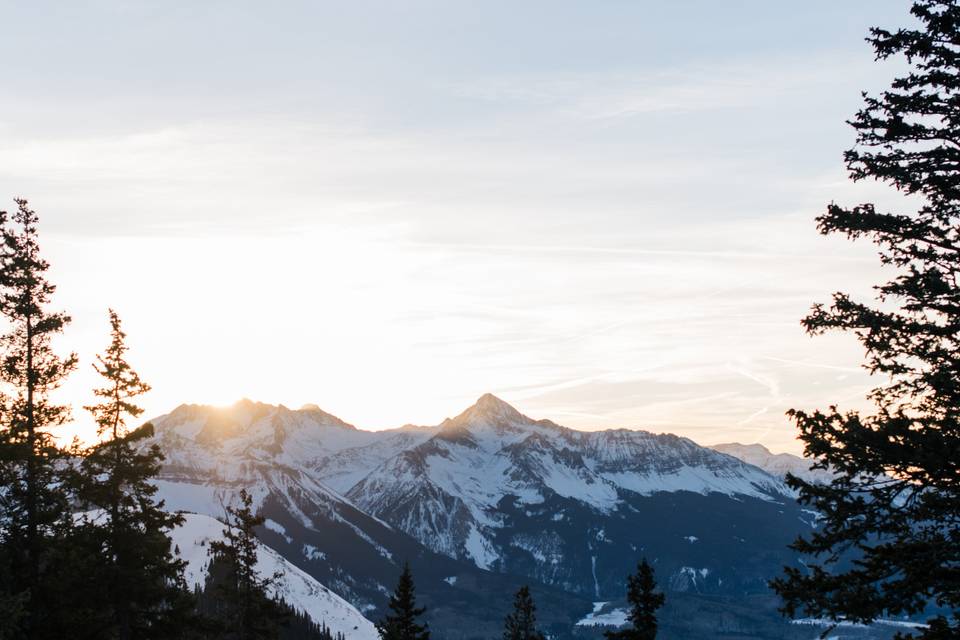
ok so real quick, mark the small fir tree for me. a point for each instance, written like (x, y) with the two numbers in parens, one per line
(522, 623)
(401, 623)
(644, 602)
(242, 602)
(141, 590)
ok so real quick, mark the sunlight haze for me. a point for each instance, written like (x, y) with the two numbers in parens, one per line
(600, 212)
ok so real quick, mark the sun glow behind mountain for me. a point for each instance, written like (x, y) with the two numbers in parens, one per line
(592, 211)
(383, 332)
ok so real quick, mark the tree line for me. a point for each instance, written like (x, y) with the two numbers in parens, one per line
(404, 620)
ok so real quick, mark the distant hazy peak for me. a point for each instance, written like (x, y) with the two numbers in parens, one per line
(776, 464)
(737, 449)
(756, 448)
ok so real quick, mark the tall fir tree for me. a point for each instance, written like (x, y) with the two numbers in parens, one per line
(521, 624)
(140, 586)
(242, 602)
(888, 540)
(35, 517)
(644, 601)
(402, 621)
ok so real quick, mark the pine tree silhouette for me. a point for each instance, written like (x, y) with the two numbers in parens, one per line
(521, 624)
(401, 623)
(887, 541)
(141, 591)
(644, 602)
(242, 603)
(35, 521)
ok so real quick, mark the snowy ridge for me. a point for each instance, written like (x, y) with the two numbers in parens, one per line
(490, 486)
(221, 441)
(447, 491)
(519, 456)
(296, 587)
(776, 464)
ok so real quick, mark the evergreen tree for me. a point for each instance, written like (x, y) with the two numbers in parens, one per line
(522, 623)
(242, 602)
(140, 587)
(35, 518)
(888, 541)
(644, 602)
(401, 623)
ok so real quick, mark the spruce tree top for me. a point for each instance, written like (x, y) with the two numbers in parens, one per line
(521, 624)
(401, 623)
(30, 366)
(122, 385)
(644, 601)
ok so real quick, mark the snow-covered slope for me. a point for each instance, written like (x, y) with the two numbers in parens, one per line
(776, 464)
(218, 440)
(281, 457)
(213, 452)
(489, 489)
(448, 491)
(296, 587)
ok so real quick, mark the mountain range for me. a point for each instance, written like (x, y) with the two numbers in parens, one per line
(490, 500)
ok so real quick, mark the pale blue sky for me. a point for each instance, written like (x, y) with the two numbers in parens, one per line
(602, 211)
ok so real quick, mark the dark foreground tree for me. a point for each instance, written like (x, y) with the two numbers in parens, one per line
(644, 602)
(140, 590)
(401, 623)
(242, 602)
(521, 624)
(889, 538)
(35, 520)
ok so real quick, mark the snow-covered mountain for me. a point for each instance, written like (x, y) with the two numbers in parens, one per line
(296, 587)
(275, 453)
(483, 502)
(776, 464)
(577, 509)
(220, 440)
(449, 491)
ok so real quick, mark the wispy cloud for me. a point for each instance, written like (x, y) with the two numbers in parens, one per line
(609, 228)
(706, 86)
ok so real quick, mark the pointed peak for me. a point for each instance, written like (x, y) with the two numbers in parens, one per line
(487, 411)
(490, 402)
(491, 407)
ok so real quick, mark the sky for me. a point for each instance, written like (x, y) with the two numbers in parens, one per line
(601, 211)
